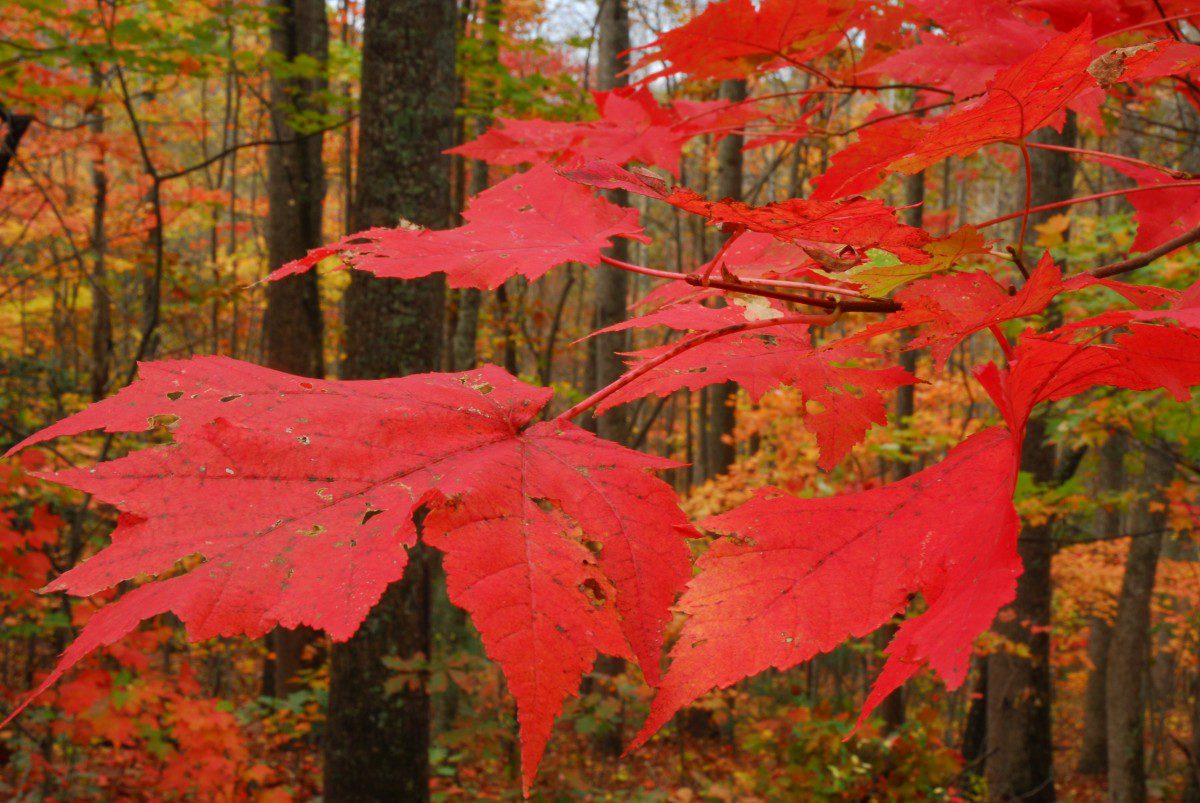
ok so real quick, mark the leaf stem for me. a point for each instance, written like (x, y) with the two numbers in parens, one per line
(861, 305)
(1177, 174)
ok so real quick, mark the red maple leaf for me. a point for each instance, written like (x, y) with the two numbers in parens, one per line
(859, 223)
(523, 226)
(733, 38)
(300, 496)
(797, 577)
(633, 126)
(841, 401)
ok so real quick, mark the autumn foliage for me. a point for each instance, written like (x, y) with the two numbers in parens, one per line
(269, 500)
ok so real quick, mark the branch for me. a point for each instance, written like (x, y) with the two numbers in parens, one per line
(1141, 261)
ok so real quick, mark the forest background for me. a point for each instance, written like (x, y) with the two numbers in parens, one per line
(160, 159)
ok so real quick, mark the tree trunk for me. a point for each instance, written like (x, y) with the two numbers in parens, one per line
(1020, 759)
(612, 285)
(1129, 645)
(1093, 754)
(1191, 792)
(378, 744)
(466, 324)
(891, 709)
(720, 450)
(102, 329)
(292, 326)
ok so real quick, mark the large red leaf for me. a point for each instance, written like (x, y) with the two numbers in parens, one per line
(841, 401)
(633, 126)
(523, 226)
(733, 38)
(859, 223)
(1070, 360)
(300, 496)
(799, 576)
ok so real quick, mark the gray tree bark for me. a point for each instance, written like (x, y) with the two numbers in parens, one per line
(1129, 644)
(1093, 753)
(1020, 757)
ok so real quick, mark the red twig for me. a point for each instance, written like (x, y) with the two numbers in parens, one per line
(686, 345)
(1086, 198)
(1028, 200)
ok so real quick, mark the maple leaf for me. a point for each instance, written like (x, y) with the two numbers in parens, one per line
(1066, 361)
(883, 272)
(797, 577)
(953, 306)
(300, 496)
(859, 223)
(523, 226)
(841, 401)
(633, 126)
(732, 38)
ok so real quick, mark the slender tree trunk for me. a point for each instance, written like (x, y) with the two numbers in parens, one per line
(466, 325)
(1093, 753)
(1020, 759)
(612, 285)
(377, 745)
(1191, 792)
(892, 707)
(292, 325)
(1129, 645)
(722, 416)
(102, 330)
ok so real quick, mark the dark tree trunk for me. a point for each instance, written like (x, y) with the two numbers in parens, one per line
(102, 328)
(1129, 644)
(378, 744)
(292, 325)
(1191, 792)
(612, 285)
(720, 450)
(1020, 759)
(1019, 763)
(15, 126)
(1093, 753)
